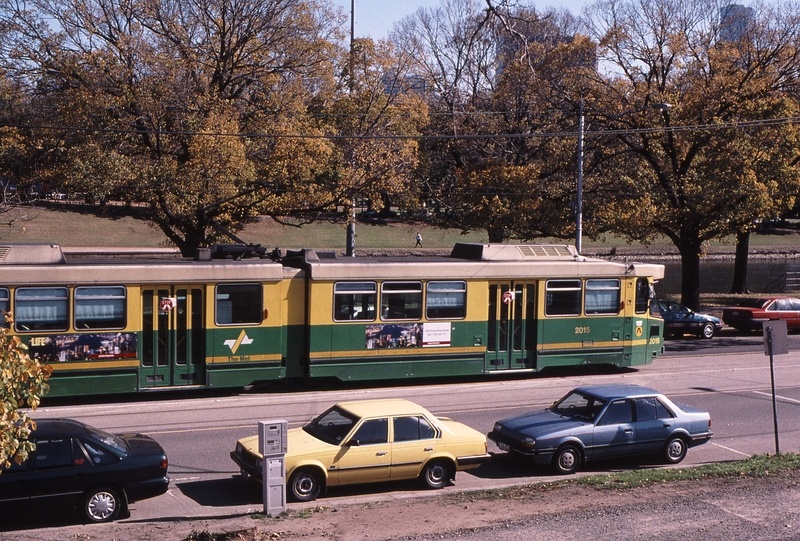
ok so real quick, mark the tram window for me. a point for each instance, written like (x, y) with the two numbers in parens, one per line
(602, 296)
(354, 300)
(401, 300)
(100, 307)
(446, 300)
(5, 305)
(642, 295)
(563, 298)
(239, 304)
(41, 309)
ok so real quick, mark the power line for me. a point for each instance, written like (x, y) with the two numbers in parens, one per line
(628, 131)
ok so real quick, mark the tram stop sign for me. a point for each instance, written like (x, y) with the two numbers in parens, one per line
(775, 330)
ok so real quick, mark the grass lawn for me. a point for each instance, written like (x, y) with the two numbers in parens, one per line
(69, 228)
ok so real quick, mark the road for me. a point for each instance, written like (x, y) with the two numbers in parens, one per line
(731, 382)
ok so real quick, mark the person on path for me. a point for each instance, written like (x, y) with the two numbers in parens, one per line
(419, 241)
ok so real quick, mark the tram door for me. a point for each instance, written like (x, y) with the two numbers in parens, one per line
(511, 337)
(173, 337)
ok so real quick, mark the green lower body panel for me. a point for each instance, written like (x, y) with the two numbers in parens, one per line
(94, 384)
(241, 376)
(396, 368)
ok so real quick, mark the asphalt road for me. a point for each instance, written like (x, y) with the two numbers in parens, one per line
(727, 376)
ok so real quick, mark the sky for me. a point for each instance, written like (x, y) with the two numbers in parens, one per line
(374, 18)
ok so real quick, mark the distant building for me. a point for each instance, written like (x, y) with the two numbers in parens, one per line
(733, 21)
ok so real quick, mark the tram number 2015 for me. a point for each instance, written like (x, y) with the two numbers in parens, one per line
(583, 330)
(655, 341)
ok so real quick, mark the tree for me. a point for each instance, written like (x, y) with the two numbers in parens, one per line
(375, 114)
(23, 383)
(716, 160)
(179, 99)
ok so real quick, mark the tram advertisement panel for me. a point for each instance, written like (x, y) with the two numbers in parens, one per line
(82, 347)
(408, 335)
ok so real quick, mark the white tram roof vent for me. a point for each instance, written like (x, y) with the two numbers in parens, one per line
(513, 252)
(31, 254)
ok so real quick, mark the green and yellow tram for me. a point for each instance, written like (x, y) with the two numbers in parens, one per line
(227, 319)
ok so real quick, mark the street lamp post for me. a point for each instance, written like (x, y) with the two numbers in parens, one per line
(579, 195)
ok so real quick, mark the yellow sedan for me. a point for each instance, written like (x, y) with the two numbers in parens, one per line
(369, 441)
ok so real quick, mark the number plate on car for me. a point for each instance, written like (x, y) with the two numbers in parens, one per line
(503, 446)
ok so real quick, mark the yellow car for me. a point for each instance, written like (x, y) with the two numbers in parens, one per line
(369, 441)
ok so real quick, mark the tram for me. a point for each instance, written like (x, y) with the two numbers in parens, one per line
(237, 316)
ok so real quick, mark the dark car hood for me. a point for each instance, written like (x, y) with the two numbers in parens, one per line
(540, 423)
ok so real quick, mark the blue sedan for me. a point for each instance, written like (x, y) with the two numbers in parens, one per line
(604, 422)
(680, 320)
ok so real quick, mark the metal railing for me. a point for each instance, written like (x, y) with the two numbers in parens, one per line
(789, 281)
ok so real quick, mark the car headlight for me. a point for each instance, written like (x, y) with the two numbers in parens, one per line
(239, 448)
(498, 427)
(527, 441)
(259, 464)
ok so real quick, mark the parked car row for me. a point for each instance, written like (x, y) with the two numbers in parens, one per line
(80, 467)
(747, 317)
(590, 423)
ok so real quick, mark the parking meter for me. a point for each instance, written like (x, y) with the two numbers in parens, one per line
(272, 437)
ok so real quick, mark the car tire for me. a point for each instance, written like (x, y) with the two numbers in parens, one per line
(675, 450)
(707, 331)
(102, 505)
(436, 474)
(567, 459)
(305, 485)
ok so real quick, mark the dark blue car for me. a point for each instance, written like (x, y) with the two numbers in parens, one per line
(604, 422)
(680, 320)
(77, 466)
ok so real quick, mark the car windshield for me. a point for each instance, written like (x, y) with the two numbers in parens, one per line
(580, 406)
(109, 440)
(753, 303)
(332, 426)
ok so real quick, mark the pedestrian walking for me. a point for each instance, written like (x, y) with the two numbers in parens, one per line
(419, 241)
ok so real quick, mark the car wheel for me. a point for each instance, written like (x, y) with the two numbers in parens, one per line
(707, 331)
(567, 459)
(102, 505)
(436, 474)
(305, 485)
(675, 450)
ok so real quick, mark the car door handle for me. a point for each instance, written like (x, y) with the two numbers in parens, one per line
(628, 431)
(381, 453)
(667, 425)
(428, 449)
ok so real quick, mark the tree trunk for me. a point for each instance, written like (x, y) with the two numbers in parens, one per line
(690, 272)
(740, 264)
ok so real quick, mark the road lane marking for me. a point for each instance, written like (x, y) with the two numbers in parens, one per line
(729, 449)
(779, 397)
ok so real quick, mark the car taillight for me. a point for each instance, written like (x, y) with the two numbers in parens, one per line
(709, 423)
(164, 463)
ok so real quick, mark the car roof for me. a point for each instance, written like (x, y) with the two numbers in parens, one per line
(52, 427)
(381, 407)
(612, 391)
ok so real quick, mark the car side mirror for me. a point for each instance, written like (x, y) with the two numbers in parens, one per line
(352, 443)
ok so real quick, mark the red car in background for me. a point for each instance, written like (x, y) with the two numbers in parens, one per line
(750, 314)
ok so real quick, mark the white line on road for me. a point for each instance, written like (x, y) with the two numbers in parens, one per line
(729, 449)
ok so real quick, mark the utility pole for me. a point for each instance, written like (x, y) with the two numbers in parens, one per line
(351, 219)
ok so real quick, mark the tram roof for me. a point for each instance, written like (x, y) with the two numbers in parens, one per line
(468, 260)
(44, 264)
